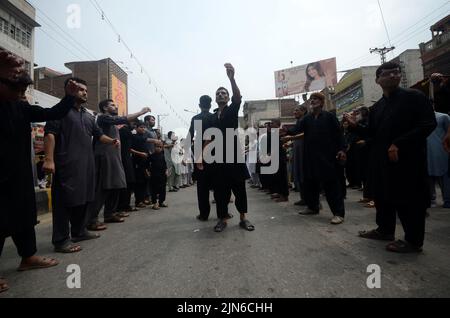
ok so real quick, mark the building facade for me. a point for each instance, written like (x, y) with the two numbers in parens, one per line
(357, 88)
(17, 24)
(105, 79)
(412, 69)
(261, 111)
(436, 53)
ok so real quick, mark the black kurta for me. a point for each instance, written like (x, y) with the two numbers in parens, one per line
(17, 196)
(323, 140)
(405, 119)
(236, 170)
(74, 156)
(126, 141)
(108, 159)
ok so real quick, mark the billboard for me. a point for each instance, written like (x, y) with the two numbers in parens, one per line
(119, 95)
(37, 136)
(306, 78)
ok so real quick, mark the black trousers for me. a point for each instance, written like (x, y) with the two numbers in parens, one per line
(125, 198)
(107, 198)
(139, 191)
(25, 242)
(203, 189)
(158, 187)
(67, 221)
(222, 194)
(412, 217)
(333, 193)
(280, 180)
(148, 189)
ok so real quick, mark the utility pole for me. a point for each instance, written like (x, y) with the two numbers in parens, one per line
(382, 51)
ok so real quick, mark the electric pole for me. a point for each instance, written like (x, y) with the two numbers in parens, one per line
(382, 52)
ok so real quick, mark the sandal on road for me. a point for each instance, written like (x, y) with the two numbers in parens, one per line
(246, 225)
(114, 219)
(220, 227)
(38, 263)
(403, 247)
(3, 285)
(87, 237)
(68, 249)
(97, 227)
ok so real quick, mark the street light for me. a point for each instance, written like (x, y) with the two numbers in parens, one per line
(190, 111)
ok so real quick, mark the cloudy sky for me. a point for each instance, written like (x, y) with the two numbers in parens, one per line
(183, 44)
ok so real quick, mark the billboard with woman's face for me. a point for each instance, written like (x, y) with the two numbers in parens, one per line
(306, 78)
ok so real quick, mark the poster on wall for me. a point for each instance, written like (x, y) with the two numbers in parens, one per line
(310, 77)
(119, 95)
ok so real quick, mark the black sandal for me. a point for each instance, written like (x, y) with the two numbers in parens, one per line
(246, 225)
(220, 227)
(375, 235)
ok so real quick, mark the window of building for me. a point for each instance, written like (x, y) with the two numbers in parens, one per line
(17, 30)
(4, 26)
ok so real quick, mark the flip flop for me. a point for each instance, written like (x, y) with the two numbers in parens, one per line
(3, 285)
(220, 227)
(44, 263)
(97, 227)
(87, 237)
(68, 249)
(246, 225)
(403, 247)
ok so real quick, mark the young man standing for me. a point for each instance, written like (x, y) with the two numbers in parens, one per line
(110, 174)
(229, 176)
(202, 176)
(324, 151)
(70, 157)
(399, 124)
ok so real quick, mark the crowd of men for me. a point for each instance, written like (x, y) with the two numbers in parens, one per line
(392, 151)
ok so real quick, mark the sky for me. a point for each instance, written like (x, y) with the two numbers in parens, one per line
(184, 44)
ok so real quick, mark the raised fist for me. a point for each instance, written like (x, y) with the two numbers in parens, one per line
(230, 71)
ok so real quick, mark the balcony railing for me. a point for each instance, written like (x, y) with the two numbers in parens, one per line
(437, 42)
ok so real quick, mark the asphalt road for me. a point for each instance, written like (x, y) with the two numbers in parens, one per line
(170, 254)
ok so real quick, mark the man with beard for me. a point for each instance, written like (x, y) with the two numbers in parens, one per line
(18, 215)
(110, 174)
(70, 157)
(152, 141)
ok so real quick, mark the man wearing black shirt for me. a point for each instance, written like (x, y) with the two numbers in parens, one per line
(229, 176)
(158, 179)
(399, 124)
(201, 176)
(324, 151)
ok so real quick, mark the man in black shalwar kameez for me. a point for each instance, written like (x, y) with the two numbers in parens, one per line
(399, 125)
(324, 150)
(70, 157)
(229, 176)
(18, 215)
